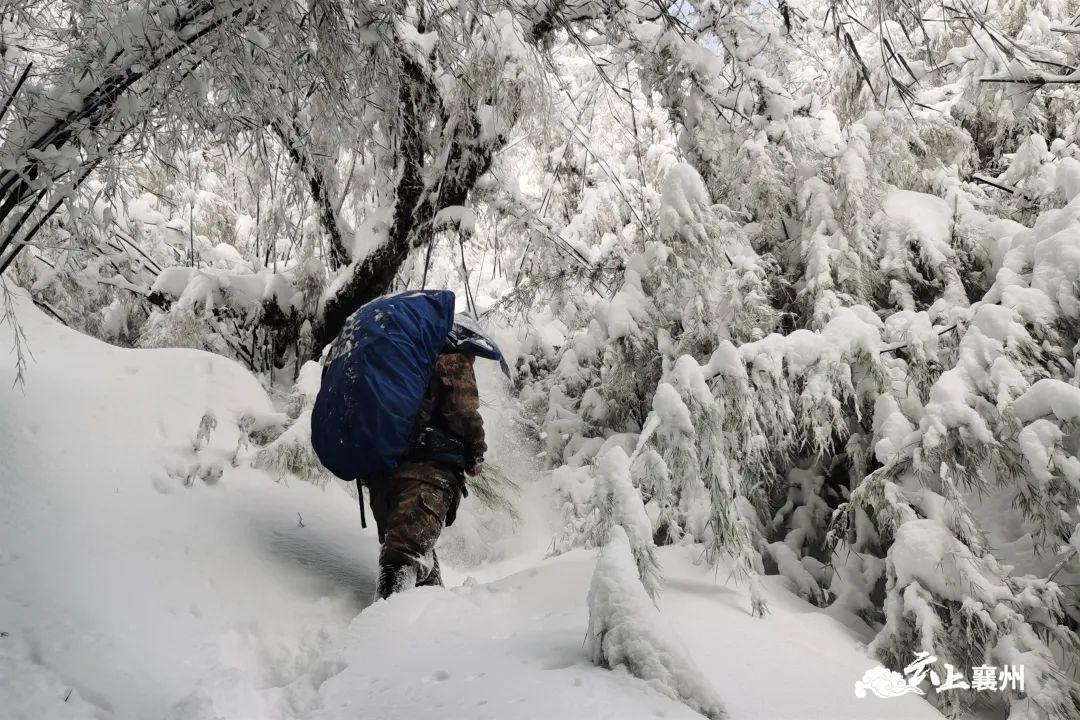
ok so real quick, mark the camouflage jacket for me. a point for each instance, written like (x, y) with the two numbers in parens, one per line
(448, 427)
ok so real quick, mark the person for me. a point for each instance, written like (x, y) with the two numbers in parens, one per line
(414, 502)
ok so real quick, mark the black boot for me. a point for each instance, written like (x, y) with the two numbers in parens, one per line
(397, 573)
(434, 577)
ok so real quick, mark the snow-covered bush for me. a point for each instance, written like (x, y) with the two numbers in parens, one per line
(944, 600)
(290, 453)
(854, 311)
(626, 631)
(619, 504)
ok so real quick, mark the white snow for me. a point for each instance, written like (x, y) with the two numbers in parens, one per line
(626, 631)
(120, 581)
(1049, 397)
(683, 197)
(131, 588)
(613, 479)
(891, 428)
(671, 410)
(851, 329)
(1056, 265)
(925, 551)
(1036, 442)
(422, 43)
(456, 217)
(372, 233)
(927, 215)
(620, 316)
(244, 292)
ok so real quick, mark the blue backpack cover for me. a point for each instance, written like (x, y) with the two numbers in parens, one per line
(374, 379)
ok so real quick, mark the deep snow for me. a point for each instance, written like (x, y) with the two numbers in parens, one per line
(131, 589)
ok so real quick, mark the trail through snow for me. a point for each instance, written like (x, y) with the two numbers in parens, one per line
(141, 579)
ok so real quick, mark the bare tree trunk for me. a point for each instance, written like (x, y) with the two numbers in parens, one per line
(415, 204)
(290, 136)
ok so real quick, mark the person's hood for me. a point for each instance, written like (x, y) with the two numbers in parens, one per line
(468, 338)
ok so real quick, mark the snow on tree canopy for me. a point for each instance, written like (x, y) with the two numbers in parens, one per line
(456, 217)
(1056, 265)
(829, 324)
(854, 329)
(1049, 397)
(682, 196)
(925, 551)
(208, 288)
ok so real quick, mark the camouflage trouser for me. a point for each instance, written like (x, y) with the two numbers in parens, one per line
(411, 506)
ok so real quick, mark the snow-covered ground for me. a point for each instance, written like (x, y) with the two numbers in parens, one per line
(133, 588)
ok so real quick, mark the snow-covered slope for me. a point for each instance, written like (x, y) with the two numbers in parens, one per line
(130, 588)
(121, 581)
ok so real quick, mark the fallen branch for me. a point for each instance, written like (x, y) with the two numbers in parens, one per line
(901, 346)
(991, 183)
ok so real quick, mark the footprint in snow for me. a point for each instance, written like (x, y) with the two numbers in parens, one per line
(438, 676)
(187, 473)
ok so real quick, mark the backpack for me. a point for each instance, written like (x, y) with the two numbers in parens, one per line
(374, 379)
